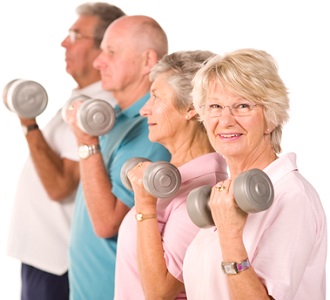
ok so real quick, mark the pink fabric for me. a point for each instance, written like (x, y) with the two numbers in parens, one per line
(286, 245)
(176, 228)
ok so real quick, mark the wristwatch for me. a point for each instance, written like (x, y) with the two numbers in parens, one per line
(85, 151)
(140, 216)
(233, 268)
(27, 128)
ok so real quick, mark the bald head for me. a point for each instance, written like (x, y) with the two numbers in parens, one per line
(144, 32)
(131, 46)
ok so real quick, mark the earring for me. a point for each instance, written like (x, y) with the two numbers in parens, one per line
(187, 117)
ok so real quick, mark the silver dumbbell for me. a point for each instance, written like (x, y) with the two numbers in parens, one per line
(94, 116)
(161, 179)
(26, 98)
(253, 192)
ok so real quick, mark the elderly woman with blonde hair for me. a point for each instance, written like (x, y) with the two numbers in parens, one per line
(279, 253)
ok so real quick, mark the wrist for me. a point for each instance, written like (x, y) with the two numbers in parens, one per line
(233, 250)
(146, 208)
(85, 151)
(28, 128)
(233, 268)
(87, 140)
(139, 216)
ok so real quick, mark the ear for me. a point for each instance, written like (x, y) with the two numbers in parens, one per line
(190, 114)
(150, 59)
(269, 129)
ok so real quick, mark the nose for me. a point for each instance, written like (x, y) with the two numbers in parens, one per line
(65, 42)
(98, 62)
(226, 118)
(145, 109)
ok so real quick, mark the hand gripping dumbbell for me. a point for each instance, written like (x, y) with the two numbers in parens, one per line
(160, 179)
(253, 192)
(26, 98)
(94, 116)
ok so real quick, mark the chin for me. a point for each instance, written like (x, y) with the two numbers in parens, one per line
(152, 138)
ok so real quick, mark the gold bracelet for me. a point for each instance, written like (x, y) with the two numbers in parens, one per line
(140, 216)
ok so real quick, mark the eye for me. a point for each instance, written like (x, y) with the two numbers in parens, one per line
(110, 52)
(215, 106)
(154, 96)
(243, 106)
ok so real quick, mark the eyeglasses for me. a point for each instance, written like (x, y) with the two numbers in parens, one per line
(74, 36)
(237, 109)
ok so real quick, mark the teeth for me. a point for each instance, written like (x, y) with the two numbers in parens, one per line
(228, 135)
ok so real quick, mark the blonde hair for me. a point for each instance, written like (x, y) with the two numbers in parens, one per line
(253, 75)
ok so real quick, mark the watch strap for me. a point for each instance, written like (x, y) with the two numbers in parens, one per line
(140, 216)
(28, 128)
(86, 151)
(94, 149)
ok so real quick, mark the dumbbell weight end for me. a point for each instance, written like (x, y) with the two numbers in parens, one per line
(26, 98)
(198, 206)
(160, 179)
(96, 117)
(253, 191)
(128, 165)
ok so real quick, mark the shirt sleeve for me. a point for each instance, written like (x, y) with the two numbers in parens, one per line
(280, 260)
(135, 144)
(178, 234)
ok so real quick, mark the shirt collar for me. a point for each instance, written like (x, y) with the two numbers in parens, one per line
(134, 109)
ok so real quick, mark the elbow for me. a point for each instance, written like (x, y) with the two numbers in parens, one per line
(158, 296)
(59, 193)
(105, 231)
(169, 290)
(161, 294)
(56, 195)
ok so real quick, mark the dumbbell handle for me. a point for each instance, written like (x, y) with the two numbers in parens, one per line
(253, 192)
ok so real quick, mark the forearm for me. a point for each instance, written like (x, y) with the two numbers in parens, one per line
(105, 210)
(246, 284)
(58, 179)
(156, 280)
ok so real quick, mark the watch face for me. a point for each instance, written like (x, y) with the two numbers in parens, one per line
(83, 151)
(139, 217)
(229, 268)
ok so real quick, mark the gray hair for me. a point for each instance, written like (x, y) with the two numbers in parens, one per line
(250, 74)
(181, 66)
(106, 13)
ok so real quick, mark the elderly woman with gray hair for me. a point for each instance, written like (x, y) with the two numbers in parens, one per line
(154, 235)
(278, 253)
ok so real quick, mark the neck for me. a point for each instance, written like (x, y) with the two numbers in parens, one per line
(192, 148)
(258, 160)
(128, 95)
(84, 81)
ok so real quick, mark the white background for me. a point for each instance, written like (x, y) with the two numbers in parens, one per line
(296, 33)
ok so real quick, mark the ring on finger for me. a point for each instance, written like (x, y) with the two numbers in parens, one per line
(220, 187)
